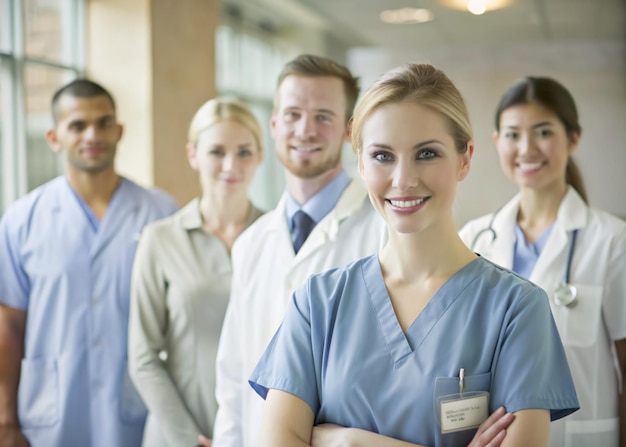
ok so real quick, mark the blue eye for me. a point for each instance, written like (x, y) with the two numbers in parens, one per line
(426, 154)
(216, 152)
(383, 157)
(323, 118)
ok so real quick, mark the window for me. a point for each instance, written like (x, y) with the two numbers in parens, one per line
(247, 66)
(41, 48)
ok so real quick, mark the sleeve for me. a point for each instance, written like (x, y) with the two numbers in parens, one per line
(229, 381)
(289, 364)
(14, 282)
(147, 328)
(165, 202)
(531, 370)
(614, 300)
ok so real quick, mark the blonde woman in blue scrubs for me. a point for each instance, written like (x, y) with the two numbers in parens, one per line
(181, 278)
(419, 344)
(549, 234)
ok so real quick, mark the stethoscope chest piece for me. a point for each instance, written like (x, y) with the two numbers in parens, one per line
(565, 295)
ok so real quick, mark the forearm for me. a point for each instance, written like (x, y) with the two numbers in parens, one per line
(622, 415)
(353, 436)
(11, 353)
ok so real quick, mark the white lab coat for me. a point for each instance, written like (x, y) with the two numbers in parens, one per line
(265, 273)
(588, 330)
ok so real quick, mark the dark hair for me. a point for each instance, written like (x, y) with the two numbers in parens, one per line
(317, 66)
(79, 88)
(555, 97)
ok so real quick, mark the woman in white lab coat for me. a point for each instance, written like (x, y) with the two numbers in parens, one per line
(182, 274)
(549, 234)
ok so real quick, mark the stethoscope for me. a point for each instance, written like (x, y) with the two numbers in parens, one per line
(565, 294)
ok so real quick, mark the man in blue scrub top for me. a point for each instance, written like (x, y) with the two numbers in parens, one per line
(66, 251)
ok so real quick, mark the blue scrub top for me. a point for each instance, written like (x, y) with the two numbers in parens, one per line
(342, 350)
(73, 280)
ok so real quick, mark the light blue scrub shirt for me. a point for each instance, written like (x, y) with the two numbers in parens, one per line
(525, 255)
(73, 280)
(342, 351)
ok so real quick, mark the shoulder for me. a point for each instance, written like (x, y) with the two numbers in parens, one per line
(606, 223)
(152, 197)
(332, 283)
(20, 212)
(255, 233)
(503, 284)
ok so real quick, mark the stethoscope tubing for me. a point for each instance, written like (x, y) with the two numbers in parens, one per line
(568, 266)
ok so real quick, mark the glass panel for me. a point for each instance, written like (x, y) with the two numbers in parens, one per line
(8, 176)
(4, 180)
(49, 26)
(5, 26)
(40, 84)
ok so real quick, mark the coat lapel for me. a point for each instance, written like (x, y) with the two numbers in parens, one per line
(550, 268)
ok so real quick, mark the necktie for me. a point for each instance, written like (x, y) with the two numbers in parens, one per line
(302, 226)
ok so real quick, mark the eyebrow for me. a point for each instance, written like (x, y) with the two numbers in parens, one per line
(417, 146)
(328, 111)
(534, 126)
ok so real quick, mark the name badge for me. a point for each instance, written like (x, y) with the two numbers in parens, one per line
(463, 411)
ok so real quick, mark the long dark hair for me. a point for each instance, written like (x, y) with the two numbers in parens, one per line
(555, 97)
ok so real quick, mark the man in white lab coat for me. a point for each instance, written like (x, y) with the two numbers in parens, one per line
(314, 100)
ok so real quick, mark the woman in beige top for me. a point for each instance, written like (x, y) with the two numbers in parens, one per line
(181, 278)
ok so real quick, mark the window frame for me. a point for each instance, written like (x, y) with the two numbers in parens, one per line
(14, 63)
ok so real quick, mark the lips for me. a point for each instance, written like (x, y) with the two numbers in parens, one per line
(305, 149)
(93, 151)
(406, 205)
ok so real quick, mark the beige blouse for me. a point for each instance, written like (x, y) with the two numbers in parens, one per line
(180, 289)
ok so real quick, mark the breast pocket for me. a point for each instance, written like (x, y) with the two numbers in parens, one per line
(582, 321)
(38, 393)
(445, 386)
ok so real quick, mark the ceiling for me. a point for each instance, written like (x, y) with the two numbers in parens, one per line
(356, 23)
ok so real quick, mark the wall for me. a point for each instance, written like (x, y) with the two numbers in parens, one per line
(157, 59)
(594, 72)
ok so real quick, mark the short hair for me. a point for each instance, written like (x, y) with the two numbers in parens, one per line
(79, 88)
(422, 84)
(552, 95)
(317, 66)
(219, 109)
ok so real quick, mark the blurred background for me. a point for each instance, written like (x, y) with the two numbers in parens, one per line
(161, 59)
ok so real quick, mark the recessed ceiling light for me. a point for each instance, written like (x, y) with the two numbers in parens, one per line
(476, 7)
(406, 15)
(465, 5)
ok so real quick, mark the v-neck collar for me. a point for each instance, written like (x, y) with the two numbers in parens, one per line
(402, 344)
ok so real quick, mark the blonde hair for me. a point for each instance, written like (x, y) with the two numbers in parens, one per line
(220, 109)
(422, 84)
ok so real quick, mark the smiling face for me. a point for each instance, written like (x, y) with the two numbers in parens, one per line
(87, 132)
(308, 125)
(534, 147)
(410, 165)
(226, 156)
